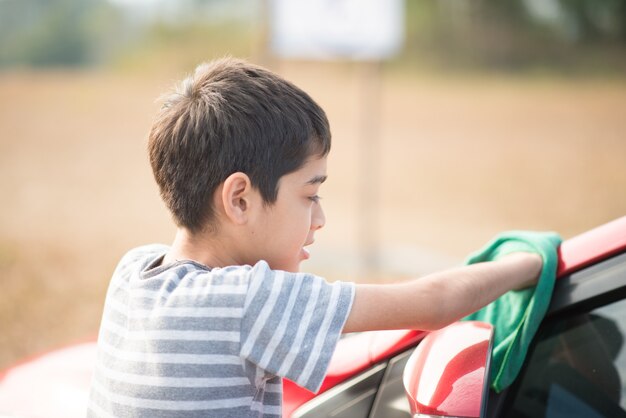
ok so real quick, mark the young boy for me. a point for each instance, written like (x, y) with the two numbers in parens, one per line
(209, 325)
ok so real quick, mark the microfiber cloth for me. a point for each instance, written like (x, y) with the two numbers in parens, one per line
(516, 315)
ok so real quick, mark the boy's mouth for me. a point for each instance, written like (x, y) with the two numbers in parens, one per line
(305, 253)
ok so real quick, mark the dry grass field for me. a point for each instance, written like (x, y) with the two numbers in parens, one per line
(459, 159)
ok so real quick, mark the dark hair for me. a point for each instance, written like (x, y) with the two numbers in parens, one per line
(231, 116)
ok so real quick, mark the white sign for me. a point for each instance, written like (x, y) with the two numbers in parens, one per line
(327, 29)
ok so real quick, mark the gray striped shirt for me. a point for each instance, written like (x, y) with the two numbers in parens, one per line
(184, 340)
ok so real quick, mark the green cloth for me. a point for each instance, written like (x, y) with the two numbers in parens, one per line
(516, 315)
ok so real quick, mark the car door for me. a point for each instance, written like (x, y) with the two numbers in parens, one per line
(576, 366)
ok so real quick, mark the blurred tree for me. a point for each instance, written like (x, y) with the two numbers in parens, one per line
(562, 35)
(55, 32)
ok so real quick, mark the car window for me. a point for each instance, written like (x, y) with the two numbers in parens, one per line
(350, 399)
(577, 368)
(391, 400)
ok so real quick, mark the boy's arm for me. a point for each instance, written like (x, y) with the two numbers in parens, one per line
(439, 299)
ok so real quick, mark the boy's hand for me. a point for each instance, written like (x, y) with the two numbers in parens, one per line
(530, 263)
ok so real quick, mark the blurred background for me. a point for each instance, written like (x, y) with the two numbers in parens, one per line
(476, 117)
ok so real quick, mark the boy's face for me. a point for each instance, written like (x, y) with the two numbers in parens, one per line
(282, 230)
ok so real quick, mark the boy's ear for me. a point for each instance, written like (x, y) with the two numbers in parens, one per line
(237, 195)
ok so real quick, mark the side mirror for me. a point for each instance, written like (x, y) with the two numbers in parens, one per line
(448, 373)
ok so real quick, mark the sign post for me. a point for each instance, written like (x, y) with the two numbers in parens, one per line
(367, 31)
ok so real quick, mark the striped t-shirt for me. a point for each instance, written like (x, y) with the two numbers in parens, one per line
(185, 340)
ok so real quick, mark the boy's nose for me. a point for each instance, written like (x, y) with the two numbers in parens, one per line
(318, 219)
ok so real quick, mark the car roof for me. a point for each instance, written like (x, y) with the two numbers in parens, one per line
(592, 246)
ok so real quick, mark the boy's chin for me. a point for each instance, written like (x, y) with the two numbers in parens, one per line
(295, 268)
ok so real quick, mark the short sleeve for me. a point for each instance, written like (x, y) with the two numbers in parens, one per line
(291, 323)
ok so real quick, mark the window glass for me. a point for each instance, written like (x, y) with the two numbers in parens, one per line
(577, 368)
(391, 401)
(351, 399)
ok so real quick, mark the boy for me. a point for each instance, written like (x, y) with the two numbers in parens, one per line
(210, 325)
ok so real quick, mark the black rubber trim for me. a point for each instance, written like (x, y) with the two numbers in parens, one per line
(594, 286)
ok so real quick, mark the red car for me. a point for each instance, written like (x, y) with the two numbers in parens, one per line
(576, 366)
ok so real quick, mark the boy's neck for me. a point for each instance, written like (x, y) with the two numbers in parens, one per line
(198, 248)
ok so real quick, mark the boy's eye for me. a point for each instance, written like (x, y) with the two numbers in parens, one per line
(315, 199)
